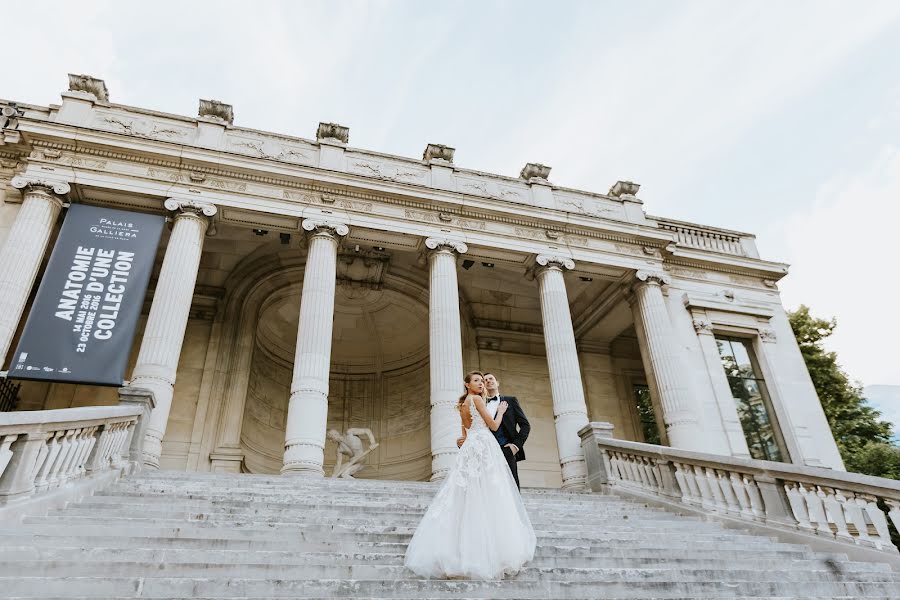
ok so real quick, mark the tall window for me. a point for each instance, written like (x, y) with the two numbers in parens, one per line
(646, 414)
(749, 392)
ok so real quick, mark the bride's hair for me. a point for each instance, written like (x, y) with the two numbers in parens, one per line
(465, 395)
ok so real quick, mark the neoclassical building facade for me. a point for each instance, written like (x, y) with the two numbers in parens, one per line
(304, 285)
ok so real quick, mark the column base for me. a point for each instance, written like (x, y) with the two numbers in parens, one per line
(302, 471)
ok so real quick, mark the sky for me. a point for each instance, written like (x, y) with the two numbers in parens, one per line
(777, 118)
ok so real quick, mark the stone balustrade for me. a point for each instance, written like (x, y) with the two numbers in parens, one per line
(840, 506)
(704, 238)
(43, 450)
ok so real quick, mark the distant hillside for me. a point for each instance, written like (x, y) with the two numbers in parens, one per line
(886, 398)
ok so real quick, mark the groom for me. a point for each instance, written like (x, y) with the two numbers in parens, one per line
(514, 428)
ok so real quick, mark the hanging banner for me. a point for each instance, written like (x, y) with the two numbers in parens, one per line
(82, 323)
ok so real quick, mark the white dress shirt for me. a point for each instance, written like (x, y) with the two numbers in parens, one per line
(492, 406)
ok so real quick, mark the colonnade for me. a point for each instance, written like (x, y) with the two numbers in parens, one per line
(305, 432)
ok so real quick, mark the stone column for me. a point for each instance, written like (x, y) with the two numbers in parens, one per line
(664, 367)
(157, 362)
(569, 408)
(445, 352)
(21, 255)
(307, 416)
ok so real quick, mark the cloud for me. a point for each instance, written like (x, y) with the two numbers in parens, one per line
(844, 251)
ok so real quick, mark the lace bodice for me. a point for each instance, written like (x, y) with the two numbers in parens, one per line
(477, 420)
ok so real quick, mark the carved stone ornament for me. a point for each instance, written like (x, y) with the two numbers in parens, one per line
(191, 206)
(767, 335)
(535, 171)
(657, 277)
(446, 244)
(624, 188)
(333, 132)
(561, 262)
(438, 152)
(702, 326)
(215, 110)
(60, 188)
(770, 283)
(90, 85)
(324, 226)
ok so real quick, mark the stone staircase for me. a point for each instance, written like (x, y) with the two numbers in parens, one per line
(189, 535)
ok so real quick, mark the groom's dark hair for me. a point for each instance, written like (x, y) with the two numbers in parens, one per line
(489, 373)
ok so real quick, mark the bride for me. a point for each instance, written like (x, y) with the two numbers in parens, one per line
(476, 526)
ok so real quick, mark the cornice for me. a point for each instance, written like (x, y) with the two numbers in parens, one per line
(639, 235)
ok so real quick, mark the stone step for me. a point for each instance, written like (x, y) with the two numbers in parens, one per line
(171, 587)
(714, 560)
(78, 568)
(792, 597)
(130, 496)
(389, 507)
(157, 502)
(301, 518)
(737, 551)
(289, 531)
(337, 499)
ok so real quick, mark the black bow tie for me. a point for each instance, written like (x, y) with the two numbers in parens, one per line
(494, 398)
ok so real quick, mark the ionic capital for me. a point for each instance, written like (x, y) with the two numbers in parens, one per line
(191, 208)
(333, 229)
(652, 277)
(546, 262)
(446, 245)
(29, 184)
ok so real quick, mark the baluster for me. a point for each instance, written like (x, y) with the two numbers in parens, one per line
(633, 477)
(65, 473)
(834, 506)
(816, 510)
(65, 446)
(854, 514)
(718, 497)
(607, 465)
(645, 479)
(686, 495)
(72, 469)
(92, 441)
(894, 512)
(741, 495)
(756, 503)
(87, 438)
(41, 457)
(706, 496)
(121, 437)
(691, 479)
(53, 448)
(882, 532)
(5, 453)
(731, 500)
(798, 505)
(613, 461)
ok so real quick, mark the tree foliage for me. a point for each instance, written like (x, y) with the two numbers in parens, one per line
(863, 439)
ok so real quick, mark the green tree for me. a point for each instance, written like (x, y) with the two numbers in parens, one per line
(863, 439)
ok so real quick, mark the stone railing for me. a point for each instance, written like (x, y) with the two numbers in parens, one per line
(840, 506)
(704, 239)
(43, 450)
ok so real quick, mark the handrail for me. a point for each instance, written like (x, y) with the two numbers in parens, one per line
(841, 506)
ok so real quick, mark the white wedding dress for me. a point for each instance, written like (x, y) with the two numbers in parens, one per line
(476, 526)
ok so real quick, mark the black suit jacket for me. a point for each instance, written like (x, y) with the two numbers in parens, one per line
(515, 425)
